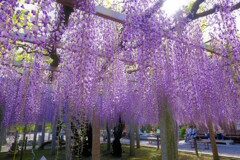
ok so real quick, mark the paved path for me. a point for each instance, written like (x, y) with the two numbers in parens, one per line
(223, 150)
(232, 151)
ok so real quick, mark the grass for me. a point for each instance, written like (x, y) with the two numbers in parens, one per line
(144, 153)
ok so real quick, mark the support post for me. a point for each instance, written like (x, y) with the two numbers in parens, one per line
(137, 137)
(35, 136)
(2, 135)
(213, 141)
(196, 146)
(96, 137)
(23, 142)
(158, 142)
(43, 132)
(68, 139)
(108, 138)
(132, 138)
(54, 135)
(169, 147)
(96, 130)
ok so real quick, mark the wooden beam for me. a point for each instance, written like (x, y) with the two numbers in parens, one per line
(110, 14)
(100, 11)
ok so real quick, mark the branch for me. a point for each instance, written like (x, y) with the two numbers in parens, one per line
(26, 48)
(208, 12)
(194, 9)
(236, 6)
(63, 19)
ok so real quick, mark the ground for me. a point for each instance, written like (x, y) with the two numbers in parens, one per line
(144, 153)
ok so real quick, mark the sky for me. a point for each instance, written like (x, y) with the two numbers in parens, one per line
(172, 6)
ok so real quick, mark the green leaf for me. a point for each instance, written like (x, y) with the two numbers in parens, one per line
(188, 9)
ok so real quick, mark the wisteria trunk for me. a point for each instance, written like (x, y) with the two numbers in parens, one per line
(23, 142)
(68, 140)
(54, 135)
(213, 141)
(96, 137)
(2, 128)
(43, 132)
(132, 139)
(168, 134)
(137, 137)
(35, 136)
(108, 138)
(3, 136)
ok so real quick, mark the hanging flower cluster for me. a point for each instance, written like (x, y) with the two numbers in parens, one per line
(110, 69)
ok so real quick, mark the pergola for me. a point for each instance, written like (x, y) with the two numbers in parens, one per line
(113, 16)
(53, 43)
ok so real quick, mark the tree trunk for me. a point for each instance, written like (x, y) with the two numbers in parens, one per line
(54, 136)
(1, 139)
(168, 134)
(96, 129)
(196, 146)
(137, 137)
(132, 139)
(108, 138)
(35, 136)
(3, 136)
(213, 141)
(16, 144)
(23, 142)
(158, 140)
(43, 133)
(68, 140)
(96, 137)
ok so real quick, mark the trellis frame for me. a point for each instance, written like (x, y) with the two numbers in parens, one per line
(99, 11)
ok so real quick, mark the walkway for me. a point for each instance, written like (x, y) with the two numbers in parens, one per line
(232, 151)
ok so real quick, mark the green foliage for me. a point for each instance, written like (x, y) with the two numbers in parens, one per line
(48, 127)
(188, 9)
(204, 24)
(31, 127)
(22, 19)
(182, 132)
(148, 128)
(21, 54)
(108, 2)
(20, 128)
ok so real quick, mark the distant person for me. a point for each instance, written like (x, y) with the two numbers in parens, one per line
(220, 134)
(153, 130)
(207, 135)
(194, 133)
(188, 134)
